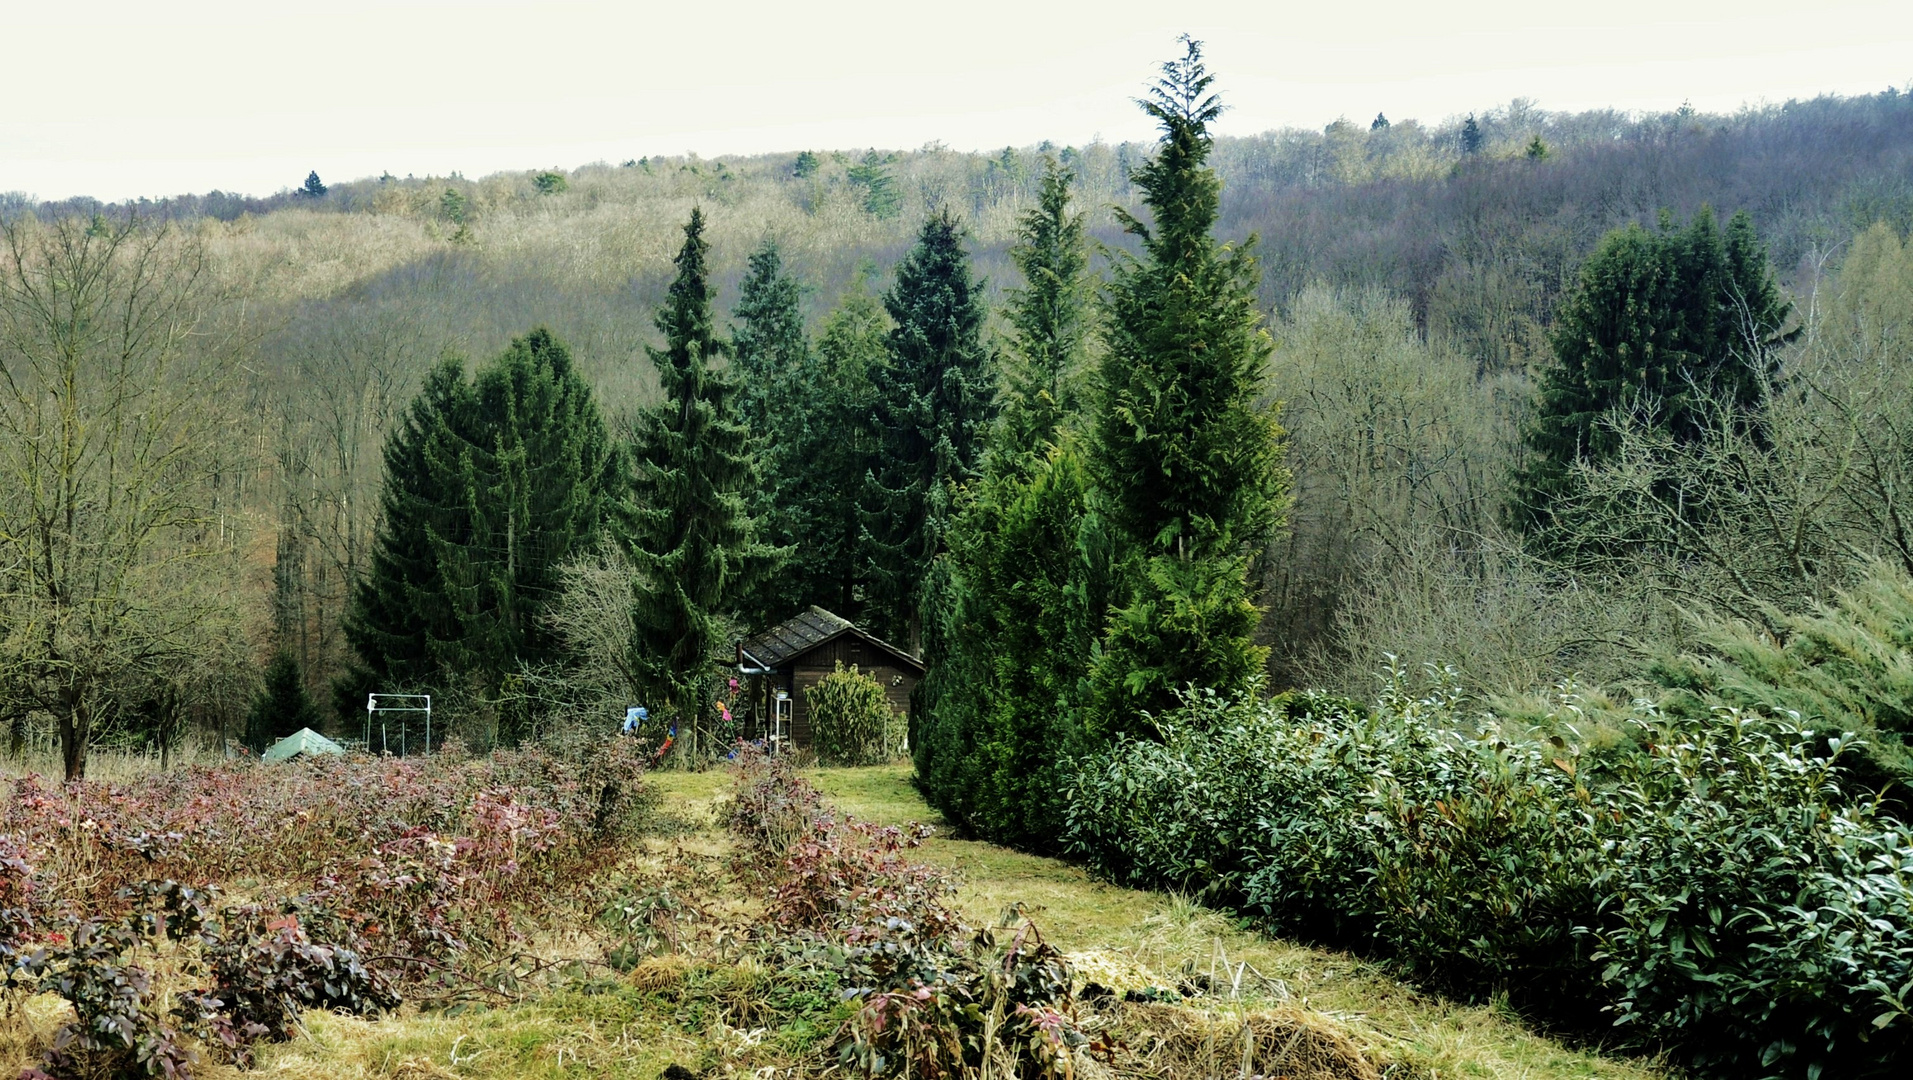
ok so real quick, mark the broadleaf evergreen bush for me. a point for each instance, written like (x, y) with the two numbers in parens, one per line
(850, 718)
(1716, 892)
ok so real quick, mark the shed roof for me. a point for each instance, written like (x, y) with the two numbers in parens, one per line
(801, 633)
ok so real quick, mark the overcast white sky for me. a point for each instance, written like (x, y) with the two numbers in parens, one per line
(116, 99)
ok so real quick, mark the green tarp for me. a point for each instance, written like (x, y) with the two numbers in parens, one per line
(302, 741)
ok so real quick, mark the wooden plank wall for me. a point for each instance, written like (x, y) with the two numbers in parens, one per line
(807, 668)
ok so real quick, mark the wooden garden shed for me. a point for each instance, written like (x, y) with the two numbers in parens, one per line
(794, 654)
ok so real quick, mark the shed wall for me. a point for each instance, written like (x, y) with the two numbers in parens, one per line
(807, 668)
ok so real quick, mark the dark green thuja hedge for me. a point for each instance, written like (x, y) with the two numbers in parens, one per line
(1707, 888)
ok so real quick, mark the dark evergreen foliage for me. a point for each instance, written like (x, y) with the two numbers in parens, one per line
(819, 458)
(1675, 322)
(491, 485)
(1042, 367)
(282, 707)
(881, 196)
(695, 546)
(534, 473)
(933, 402)
(1470, 136)
(1190, 465)
(1380, 123)
(805, 166)
(769, 349)
(399, 613)
(313, 188)
(1013, 612)
(1013, 616)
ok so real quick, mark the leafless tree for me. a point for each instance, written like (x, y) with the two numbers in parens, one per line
(114, 355)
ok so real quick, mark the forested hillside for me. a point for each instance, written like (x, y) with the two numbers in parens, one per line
(1444, 253)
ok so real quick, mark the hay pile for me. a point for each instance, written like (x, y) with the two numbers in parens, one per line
(1169, 1042)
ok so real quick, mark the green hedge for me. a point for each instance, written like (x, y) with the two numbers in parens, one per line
(1714, 892)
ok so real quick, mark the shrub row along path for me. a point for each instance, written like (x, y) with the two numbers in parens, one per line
(637, 1025)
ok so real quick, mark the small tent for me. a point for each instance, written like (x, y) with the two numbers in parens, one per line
(302, 741)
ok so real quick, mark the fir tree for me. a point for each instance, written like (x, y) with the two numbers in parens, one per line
(1537, 150)
(1014, 611)
(490, 485)
(313, 189)
(768, 347)
(825, 460)
(1042, 370)
(933, 401)
(398, 616)
(1380, 123)
(1190, 466)
(805, 166)
(1470, 136)
(770, 354)
(872, 175)
(694, 544)
(535, 474)
(1676, 322)
(282, 707)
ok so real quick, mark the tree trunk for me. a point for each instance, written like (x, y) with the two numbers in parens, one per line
(75, 729)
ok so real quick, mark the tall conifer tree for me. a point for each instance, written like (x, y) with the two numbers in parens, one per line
(1013, 612)
(1678, 322)
(770, 354)
(694, 543)
(1189, 464)
(934, 400)
(768, 347)
(490, 486)
(824, 452)
(535, 473)
(399, 615)
(1042, 368)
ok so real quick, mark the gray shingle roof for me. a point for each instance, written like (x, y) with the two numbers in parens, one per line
(798, 635)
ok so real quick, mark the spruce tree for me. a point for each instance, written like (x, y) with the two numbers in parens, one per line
(536, 475)
(398, 616)
(770, 354)
(282, 707)
(490, 485)
(934, 400)
(768, 347)
(826, 460)
(1470, 136)
(1013, 612)
(1189, 464)
(872, 175)
(816, 461)
(1380, 123)
(1042, 368)
(313, 189)
(694, 543)
(1676, 323)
